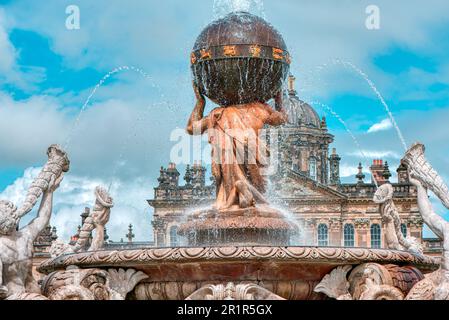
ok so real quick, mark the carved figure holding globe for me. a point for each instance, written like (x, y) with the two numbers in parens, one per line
(237, 151)
(239, 62)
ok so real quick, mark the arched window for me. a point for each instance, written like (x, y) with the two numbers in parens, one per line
(348, 235)
(376, 236)
(173, 236)
(323, 239)
(404, 230)
(312, 168)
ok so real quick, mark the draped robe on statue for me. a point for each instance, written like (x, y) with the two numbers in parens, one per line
(239, 153)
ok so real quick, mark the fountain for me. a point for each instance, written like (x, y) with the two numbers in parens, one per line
(239, 247)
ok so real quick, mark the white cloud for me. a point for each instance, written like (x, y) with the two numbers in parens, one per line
(107, 134)
(27, 128)
(8, 53)
(381, 126)
(170, 31)
(24, 77)
(347, 170)
(375, 154)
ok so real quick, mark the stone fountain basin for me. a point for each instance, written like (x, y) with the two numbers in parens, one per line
(291, 272)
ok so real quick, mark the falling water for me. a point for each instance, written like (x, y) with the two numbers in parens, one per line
(337, 116)
(141, 118)
(95, 89)
(382, 100)
(297, 237)
(223, 7)
(273, 201)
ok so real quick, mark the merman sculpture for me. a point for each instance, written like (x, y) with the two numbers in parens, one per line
(97, 220)
(390, 215)
(436, 285)
(16, 246)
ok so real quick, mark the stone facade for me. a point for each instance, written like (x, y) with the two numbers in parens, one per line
(42, 249)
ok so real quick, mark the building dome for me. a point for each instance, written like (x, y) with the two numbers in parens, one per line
(298, 111)
(301, 113)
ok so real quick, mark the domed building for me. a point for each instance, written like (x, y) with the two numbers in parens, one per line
(304, 141)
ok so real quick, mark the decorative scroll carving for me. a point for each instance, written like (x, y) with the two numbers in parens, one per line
(376, 272)
(91, 284)
(362, 223)
(374, 291)
(122, 282)
(230, 291)
(149, 256)
(74, 283)
(335, 285)
(369, 281)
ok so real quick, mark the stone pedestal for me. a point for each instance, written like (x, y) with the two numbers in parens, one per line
(250, 226)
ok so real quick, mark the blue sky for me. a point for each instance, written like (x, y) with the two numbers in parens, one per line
(47, 72)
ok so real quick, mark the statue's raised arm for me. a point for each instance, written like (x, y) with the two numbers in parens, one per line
(197, 123)
(57, 164)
